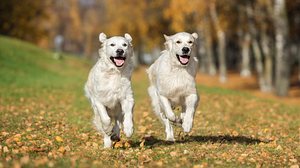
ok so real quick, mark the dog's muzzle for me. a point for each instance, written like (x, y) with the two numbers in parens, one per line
(118, 60)
(183, 59)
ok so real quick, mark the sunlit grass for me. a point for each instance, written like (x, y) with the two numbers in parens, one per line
(42, 98)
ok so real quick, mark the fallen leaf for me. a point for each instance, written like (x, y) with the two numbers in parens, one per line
(16, 165)
(61, 149)
(4, 133)
(142, 129)
(127, 144)
(294, 166)
(173, 154)
(67, 148)
(59, 139)
(5, 149)
(24, 160)
(279, 147)
(51, 164)
(118, 144)
(159, 163)
(142, 144)
(197, 166)
(235, 133)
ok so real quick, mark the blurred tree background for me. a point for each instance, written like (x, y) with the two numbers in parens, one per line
(252, 37)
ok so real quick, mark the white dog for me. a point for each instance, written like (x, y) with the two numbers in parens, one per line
(172, 82)
(109, 88)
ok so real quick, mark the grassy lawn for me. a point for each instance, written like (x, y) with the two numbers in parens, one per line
(45, 121)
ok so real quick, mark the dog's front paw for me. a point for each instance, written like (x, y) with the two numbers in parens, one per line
(107, 142)
(170, 139)
(171, 117)
(187, 125)
(128, 130)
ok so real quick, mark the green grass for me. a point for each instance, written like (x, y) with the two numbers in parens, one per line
(42, 100)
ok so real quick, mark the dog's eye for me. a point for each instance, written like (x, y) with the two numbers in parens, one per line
(178, 42)
(190, 42)
(124, 45)
(112, 44)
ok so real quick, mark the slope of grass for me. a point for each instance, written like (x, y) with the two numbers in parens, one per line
(45, 120)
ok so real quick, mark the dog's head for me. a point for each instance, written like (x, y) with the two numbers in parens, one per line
(117, 49)
(181, 45)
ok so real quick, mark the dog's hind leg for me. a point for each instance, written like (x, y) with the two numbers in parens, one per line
(117, 127)
(116, 131)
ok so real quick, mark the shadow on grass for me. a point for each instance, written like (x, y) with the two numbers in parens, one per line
(222, 139)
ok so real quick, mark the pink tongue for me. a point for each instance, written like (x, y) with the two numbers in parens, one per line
(119, 62)
(184, 60)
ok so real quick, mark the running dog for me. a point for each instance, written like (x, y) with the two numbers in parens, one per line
(109, 88)
(172, 82)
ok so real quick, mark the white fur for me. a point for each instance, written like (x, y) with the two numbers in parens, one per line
(173, 84)
(109, 89)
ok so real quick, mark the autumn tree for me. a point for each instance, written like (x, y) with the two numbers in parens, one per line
(282, 72)
(22, 19)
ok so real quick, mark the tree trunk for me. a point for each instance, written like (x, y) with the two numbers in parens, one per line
(88, 45)
(246, 41)
(268, 73)
(256, 49)
(259, 65)
(202, 53)
(221, 42)
(211, 66)
(298, 56)
(282, 72)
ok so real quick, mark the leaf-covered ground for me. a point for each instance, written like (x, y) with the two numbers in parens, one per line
(45, 121)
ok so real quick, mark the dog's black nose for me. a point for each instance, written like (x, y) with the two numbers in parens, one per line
(120, 51)
(185, 50)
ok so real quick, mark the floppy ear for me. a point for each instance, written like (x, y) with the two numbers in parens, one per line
(168, 43)
(128, 37)
(102, 37)
(195, 35)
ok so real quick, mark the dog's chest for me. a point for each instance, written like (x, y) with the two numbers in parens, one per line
(112, 89)
(176, 85)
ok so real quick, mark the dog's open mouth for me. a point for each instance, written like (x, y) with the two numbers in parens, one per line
(118, 61)
(183, 59)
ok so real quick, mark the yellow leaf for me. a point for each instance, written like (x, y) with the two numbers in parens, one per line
(235, 133)
(159, 163)
(173, 154)
(24, 160)
(59, 139)
(62, 149)
(142, 144)
(197, 166)
(118, 144)
(279, 147)
(127, 144)
(5, 149)
(142, 129)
